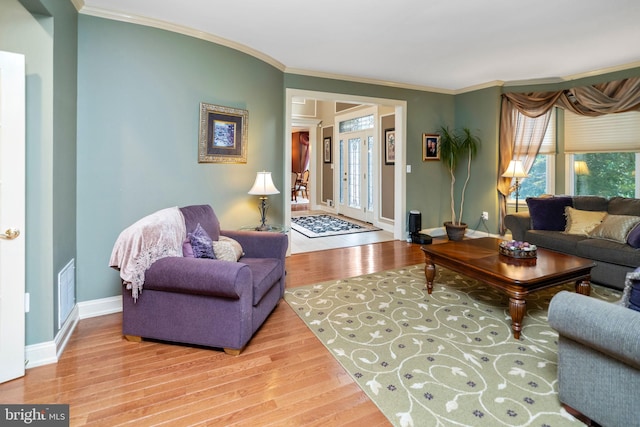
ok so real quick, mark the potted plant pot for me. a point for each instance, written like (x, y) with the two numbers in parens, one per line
(455, 232)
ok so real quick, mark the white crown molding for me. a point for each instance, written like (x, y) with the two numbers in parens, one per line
(155, 23)
(573, 77)
(168, 26)
(366, 80)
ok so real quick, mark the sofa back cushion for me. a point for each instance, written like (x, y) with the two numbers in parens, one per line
(547, 213)
(624, 206)
(591, 203)
(203, 215)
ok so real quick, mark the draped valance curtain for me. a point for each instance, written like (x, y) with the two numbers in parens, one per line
(524, 118)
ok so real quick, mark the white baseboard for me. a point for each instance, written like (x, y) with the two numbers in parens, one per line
(49, 352)
(470, 233)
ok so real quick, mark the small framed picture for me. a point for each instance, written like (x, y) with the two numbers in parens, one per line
(390, 146)
(430, 146)
(327, 149)
(223, 134)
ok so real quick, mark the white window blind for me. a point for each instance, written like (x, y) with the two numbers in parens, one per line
(549, 141)
(610, 133)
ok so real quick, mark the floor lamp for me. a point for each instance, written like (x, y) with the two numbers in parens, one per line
(263, 186)
(515, 170)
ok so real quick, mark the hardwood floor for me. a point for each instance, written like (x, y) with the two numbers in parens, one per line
(285, 377)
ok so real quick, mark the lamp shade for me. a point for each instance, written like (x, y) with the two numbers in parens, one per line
(580, 167)
(515, 170)
(263, 185)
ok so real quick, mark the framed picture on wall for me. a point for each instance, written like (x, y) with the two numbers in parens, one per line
(390, 146)
(223, 134)
(327, 149)
(430, 146)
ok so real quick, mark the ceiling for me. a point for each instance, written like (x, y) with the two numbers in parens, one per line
(445, 45)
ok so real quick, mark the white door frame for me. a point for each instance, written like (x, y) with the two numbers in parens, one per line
(400, 106)
(12, 215)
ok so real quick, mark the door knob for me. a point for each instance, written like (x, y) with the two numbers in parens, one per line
(10, 234)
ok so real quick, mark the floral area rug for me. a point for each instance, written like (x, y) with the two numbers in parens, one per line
(327, 225)
(445, 359)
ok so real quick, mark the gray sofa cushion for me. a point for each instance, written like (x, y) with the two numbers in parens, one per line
(555, 240)
(624, 206)
(590, 203)
(608, 251)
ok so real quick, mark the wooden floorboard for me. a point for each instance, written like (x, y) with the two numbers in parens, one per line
(285, 376)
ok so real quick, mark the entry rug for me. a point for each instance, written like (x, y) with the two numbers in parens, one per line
(327, 225)
(445, 359)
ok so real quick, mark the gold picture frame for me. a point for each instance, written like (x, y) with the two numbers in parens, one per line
(430, 146)
(223, 134)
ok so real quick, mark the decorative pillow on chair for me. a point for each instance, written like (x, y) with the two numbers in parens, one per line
(227, 249)
(582, 222)
(615, 227)
(201, 243)
(547, 213)
(631, 293)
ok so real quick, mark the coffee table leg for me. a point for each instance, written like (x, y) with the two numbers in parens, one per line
(517, 308)
(583, 287)
(430, 274)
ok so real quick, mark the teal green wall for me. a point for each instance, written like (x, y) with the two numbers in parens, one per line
(480, 112)
(50, 147)
(139, 94)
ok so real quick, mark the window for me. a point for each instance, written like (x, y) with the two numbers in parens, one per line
(602, 154)
(604, 174)
(359, 123)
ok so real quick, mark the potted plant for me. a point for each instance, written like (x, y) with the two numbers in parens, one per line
(453, 148)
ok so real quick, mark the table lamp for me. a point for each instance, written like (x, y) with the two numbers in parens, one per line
(263, 186)
(515, 170)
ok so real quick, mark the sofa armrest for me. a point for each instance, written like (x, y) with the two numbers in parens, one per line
(260, 244)
(606, 327)
(518, 223)
(200, 276)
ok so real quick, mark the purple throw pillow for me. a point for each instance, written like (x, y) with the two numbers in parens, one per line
(201, 243)
(633, 239)
(547, 213)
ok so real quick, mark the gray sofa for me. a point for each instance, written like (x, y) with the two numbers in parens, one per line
(598, 358)
(613, 259)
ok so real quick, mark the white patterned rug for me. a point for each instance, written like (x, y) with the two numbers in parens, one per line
(445, 359)
(324, 225)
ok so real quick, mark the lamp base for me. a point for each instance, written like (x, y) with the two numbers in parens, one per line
(264, 227)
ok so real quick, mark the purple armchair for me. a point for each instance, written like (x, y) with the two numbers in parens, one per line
(209, 302)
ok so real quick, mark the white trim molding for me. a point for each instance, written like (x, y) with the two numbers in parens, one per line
(49, 352)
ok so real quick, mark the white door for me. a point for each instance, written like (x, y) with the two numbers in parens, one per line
(356, 175)
(12, 215)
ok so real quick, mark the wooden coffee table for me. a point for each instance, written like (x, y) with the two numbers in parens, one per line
(479, 259)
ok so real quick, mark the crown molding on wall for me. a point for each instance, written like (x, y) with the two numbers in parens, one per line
(554, 80)
(366, 80)
(164, 25)
(168, 26)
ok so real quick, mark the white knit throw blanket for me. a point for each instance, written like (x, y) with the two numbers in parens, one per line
(155, 236)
